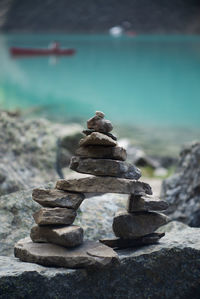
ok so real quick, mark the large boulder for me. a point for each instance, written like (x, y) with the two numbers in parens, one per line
(182, 190)
(33, 152)
(168, 270)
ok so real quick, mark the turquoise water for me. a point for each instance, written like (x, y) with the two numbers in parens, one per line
(146, 80)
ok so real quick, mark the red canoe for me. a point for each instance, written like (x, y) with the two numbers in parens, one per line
(40, 52)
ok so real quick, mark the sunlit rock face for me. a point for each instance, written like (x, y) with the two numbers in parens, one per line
(182, 190)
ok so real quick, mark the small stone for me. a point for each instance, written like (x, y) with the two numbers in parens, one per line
(102, 152)
(93, 184)
(67, 236)
(145, 203)
(97, 138)
(88, 255)
(128, 243)
(54, 216)
(105, 167)
(129, 225)
(57, 198)
(99, 124)
(90, 131)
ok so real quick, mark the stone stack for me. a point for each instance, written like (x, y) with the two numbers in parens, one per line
(56, 242)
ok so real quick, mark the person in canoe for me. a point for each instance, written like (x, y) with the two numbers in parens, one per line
(54, 45)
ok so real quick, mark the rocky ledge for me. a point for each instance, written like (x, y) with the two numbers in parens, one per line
(169, 269)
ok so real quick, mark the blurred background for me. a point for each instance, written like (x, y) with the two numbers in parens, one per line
(138, 61)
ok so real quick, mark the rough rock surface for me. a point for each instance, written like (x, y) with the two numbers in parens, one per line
(145, 203)
(99, 124)
(102, 152)
(88, 255)
(182, 190)
(127, 225)
(105, 167)
(94, 184)
(90, 131)
(97, 138)
(57, 198)
(32, 152)
(168, 270)
(67, 236)
(54, 216)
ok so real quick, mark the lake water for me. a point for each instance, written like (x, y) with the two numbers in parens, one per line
(142, 80)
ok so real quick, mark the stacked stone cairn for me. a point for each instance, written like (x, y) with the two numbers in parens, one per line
(55, 241)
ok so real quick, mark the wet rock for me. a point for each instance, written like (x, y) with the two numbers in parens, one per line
(102, 152)
(132, 225)
(105, 167)
(94, 184)
(128, 243)
(182, 190)
(67, 236)
(57, 198)
(169, 269)
(99, 124)
(97, 138)
(145, 203)
(88, 255)
(54, 216)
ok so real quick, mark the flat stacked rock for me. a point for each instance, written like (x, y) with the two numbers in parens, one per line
(55, 241)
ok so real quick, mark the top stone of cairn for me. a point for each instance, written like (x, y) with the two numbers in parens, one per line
(99, 124)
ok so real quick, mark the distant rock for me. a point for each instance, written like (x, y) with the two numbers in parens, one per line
(33, 152)
(168, 270)
(182, 190)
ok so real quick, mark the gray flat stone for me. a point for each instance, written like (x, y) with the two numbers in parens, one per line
(145, 203)
(97, 138)
(67, 236)
(105, 167)
(54, 216)
(133, 225)
(88, 255)
(90, 131)
(128, 243)
(95, 184)
(57, 198)
(102, 152)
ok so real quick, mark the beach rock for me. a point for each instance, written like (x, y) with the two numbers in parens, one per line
(94, 184)
(102, 152)
(128, 243)
(145, 203)
(57, 198)
(97, 138)
(105, 167)
(88, 255)
(169, 269)
(90, 131)
(182, 190)
(67, 236)
(54, 216)
(99, 124)
(128, 225)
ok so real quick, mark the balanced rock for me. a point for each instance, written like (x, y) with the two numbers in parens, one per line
(88, 255)
(105, 167)
(99, 124)
(57, 198)
(128, 243)
(97, 138)
(90, 131)
(54, 216)
(67, 236)
(129, 225)
(93, 184)
(145, 203)
(102, 152)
